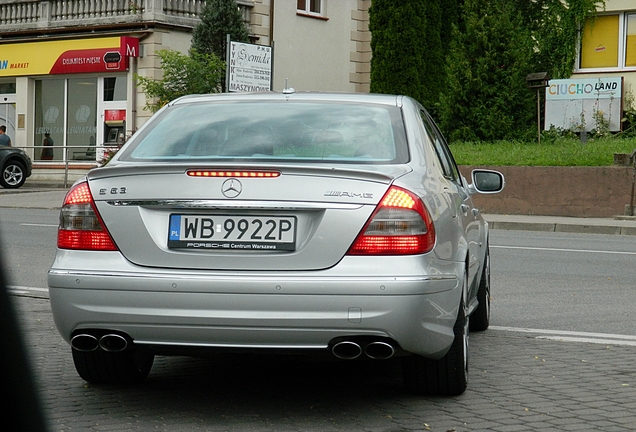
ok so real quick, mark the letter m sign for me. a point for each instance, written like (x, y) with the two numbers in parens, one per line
(129, 46)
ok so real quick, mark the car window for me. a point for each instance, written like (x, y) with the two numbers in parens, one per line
(347, 133)
(444, 155)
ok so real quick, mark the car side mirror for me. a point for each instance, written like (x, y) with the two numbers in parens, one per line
(487, 182)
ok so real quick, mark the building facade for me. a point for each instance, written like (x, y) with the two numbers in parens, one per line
(68, 67)
(603, 81)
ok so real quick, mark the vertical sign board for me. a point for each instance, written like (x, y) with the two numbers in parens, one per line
(249, 67)
(576, 104)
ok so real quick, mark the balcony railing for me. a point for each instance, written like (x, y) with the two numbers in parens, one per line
(21, 15)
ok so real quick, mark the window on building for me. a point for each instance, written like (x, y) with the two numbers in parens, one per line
(309, 6)
(7, 88)
(115, 88)
(609, 42)
(630, 41)
(49, 118)
(81, 118)
(600, 43)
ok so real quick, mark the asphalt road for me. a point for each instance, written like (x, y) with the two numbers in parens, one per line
(569, 282)
(559, 356)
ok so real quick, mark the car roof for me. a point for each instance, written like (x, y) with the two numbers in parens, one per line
(367, 98)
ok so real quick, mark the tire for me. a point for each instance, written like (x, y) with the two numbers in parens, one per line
(447, 376)
(125, 367)
(480, 319)
(13, 175)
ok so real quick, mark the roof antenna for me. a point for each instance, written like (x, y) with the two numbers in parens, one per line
(287, 89)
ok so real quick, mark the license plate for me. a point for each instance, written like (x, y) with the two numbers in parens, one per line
(226, 232)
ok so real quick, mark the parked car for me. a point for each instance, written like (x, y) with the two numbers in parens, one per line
(16, 167)
(289, 222)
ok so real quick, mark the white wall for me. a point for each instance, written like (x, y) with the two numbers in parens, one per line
(314, 53)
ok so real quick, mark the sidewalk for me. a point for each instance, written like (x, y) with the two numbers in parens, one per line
(32, 197)
(37, 196)
(621, 225)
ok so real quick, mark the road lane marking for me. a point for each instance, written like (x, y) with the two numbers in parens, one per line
(39, 225)
(564, 250)
(588, 340)
(572, 336)
(25, 290)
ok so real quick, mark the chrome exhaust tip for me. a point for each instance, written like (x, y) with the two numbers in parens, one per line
(347, 350)
(84, 342)
(379, 350)
(113, 342)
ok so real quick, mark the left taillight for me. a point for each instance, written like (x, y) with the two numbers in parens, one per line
(400, 225)
(80, 225)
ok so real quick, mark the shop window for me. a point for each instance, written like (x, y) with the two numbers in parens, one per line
(600, 42)
(82, 118)
(49, 118)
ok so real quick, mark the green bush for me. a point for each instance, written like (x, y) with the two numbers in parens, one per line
(486, 96)
(407, 49)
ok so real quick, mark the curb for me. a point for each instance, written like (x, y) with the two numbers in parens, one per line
(564, 228)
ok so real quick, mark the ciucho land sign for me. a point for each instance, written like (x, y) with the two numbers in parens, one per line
(582, 103)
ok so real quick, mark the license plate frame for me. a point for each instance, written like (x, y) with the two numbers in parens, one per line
(231, 232)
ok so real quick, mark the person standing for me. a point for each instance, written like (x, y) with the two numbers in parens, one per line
(5, 140)
(47, 151)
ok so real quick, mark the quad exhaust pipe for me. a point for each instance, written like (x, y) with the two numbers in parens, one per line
(349, 350)
(110, 342)
(379, 350)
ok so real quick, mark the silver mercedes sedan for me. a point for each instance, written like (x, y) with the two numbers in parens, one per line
(285, 222)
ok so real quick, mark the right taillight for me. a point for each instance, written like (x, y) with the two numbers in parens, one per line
(401, 225)
(80, 225)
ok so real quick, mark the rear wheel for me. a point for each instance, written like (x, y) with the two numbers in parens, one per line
(13, 175)
(102, 367)
(447, 376)
(480, 319)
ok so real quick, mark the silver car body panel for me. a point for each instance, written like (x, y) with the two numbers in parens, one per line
(300, 298)
(330, 209)
(260, 309)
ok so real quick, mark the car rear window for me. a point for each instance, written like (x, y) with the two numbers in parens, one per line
(285, 131)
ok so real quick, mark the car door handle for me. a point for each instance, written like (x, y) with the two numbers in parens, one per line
(476, 212)
(465, 209)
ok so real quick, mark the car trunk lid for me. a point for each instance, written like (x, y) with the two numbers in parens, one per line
(232, 217)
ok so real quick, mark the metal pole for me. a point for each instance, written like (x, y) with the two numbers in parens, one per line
(631, 201)
(228, 44)
(66, 167)
(538, 116)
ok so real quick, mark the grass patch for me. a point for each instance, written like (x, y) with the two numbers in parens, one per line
(557, 152)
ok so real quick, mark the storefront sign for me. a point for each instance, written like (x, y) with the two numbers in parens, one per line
(68, 56)
(594, 88)
(584, 104)
(249, 67)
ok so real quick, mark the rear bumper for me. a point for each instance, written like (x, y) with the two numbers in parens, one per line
(264, 310)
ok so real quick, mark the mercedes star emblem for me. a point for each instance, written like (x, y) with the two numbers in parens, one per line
(231, 188)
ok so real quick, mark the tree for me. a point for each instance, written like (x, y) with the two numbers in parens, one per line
(554, 26)
(196, 73)
(407, 49)
(486, 96)
(218, 19)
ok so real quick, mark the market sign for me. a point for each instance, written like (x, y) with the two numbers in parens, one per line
(249, 67)
(579, 104)
(68, 56)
